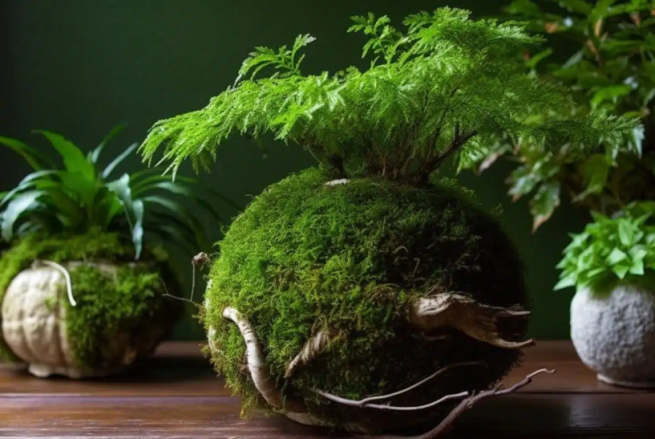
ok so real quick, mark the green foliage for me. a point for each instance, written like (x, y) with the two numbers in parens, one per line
(347, 259)
(107, 305)
(605, 54)
(612, 250)
(82, 196)
(443, 85)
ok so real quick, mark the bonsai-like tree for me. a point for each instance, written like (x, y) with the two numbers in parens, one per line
(369, 276)
(445, 85)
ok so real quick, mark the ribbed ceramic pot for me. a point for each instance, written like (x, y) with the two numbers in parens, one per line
(614, 334)
(34, 326)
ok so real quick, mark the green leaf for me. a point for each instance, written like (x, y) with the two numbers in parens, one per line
(526, 7)
(95, 154)
(183, 214)
(626, 232)
(636, 139)
(616, 256)
(29, 182)
(74, 159)
(568, 281)
(610, 93)
(117, 161)
(600, 218)
(523, 181)
(595, 171)
(637, 268)
(621, 270)
(602, 9)
(573, 60)
(544, 203)
(637, 253)
(17, 207)
(534, 60)
(137, 211)
(32, 156)
(580, 6)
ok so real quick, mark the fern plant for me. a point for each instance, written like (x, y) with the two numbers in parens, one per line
(444, 86)
(605, 54)
(83, 196)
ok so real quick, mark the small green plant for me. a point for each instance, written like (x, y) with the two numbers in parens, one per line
(611, 250)
(604, 52)
(82, 196)
(443, 87)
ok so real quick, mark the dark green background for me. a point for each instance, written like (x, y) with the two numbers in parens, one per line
(79, 67)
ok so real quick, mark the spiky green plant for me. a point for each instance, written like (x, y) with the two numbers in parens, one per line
(444, 85)
(82, 196)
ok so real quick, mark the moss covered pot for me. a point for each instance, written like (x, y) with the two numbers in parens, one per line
(80, 306)
(327, 292)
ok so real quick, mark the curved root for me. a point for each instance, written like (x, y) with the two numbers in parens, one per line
(67, 278)
(255, 359)
(310, 350)
(367, 402)
(461, 312)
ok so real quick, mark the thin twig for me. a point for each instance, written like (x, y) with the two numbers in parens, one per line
(366, 402)
(447, 423)
(454, 146)
(199, 260)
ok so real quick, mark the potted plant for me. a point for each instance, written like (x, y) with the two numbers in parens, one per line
(612, 266)
(345, 294)
(604, 53)
(83, 280)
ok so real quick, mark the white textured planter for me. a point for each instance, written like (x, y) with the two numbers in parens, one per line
(34, 326)
(615, 335)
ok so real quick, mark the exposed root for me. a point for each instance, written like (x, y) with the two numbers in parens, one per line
(255, 359)
(461, 312)
(312, 348)
(337, 182)
(447, 423)
(67, 277)
(368, 402)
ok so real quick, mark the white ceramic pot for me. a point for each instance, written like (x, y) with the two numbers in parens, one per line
(34, 326)
(614, 335)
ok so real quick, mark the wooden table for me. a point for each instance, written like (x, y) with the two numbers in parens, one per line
(177, 395)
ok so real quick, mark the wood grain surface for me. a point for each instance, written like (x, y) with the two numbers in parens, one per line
(177, 395)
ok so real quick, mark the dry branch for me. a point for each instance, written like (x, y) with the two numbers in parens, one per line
(447, 423)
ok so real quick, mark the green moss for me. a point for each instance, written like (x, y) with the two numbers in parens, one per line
(305, 257)
(129, 300)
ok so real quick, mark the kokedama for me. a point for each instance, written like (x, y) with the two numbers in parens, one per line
(82, 284)
(368, 294)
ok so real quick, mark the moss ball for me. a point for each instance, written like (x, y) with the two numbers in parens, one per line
(127, 300)
(347, 259)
